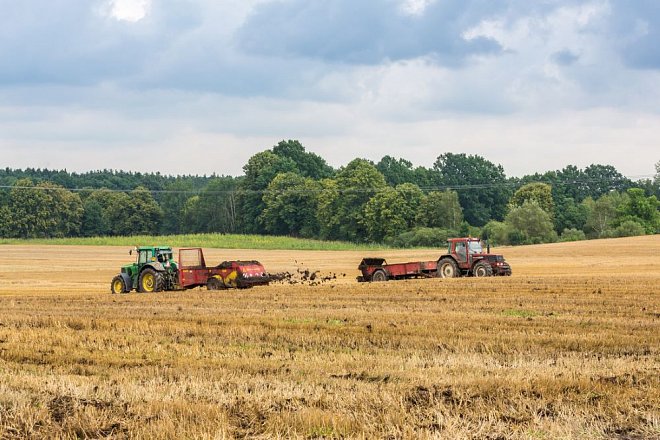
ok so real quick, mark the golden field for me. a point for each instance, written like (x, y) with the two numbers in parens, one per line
(568, 347)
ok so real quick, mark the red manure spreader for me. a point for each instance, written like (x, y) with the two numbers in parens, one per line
(464, 257)
(193, 272)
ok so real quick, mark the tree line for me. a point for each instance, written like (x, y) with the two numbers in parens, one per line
(287, 190)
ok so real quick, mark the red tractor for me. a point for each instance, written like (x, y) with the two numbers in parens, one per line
(464, 257)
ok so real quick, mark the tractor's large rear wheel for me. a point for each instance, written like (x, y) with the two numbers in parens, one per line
(150, 281)
(118, 285)
(447, 268)
(482, 270)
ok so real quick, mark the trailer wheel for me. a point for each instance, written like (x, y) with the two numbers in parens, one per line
(118, 285)
(447, 268)
(214, 284)
(379, 276)
(150, 281)
(482, 270)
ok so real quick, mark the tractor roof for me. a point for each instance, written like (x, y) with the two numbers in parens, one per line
(161, 248)
(463, 239)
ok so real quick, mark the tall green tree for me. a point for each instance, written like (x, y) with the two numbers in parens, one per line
(329, 200)
(538, 192)
(533, 222)
(291, 206)
(6, 227)
(602, 179)
(570, 215)
(215, 209)
(396, 171)
(653, 185)
(392, 211)
(133, 213)
(440, 209)
(602, 214)
(94, 223)
(191, 220)
(113, 205)
(172, 203)
(142, 215)
(43, 210)
(570, 181)
(260, 170)
(641, 209)
(412, 197)
(382, 218)
(482, 186)
(342, 205)
(308, 164)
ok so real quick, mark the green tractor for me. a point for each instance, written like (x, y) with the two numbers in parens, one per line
(153, 271)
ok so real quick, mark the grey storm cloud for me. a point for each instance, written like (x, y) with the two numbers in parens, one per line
(565, 57)
(366, 32)
(279, 46)
(635, 28)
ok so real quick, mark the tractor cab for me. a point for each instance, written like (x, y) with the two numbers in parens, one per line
(152, 254)
(465, 250)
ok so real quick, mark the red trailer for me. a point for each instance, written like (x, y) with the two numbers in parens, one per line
(377, 269)
(193, 272)
(464, 257)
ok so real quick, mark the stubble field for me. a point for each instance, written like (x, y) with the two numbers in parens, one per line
(568, 347)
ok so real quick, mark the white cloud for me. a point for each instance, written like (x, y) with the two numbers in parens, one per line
(415, 7)
(129, 10)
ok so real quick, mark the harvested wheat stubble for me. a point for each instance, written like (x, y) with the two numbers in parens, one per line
(567, 347)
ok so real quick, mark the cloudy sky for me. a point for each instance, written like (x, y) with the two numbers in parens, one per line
(198, 86)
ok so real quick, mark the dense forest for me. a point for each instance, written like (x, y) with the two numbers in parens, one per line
(287, 190)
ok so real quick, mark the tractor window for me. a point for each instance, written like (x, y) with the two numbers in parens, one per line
(460, 251)
(145, 256)
(475, 247)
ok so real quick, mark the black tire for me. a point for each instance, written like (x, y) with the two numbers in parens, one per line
(150, 281)
(447, 268)
(482, 269)
(118, 285)
(215, 284)
(379, 276)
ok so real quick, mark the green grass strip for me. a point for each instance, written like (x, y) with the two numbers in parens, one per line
(219, 241)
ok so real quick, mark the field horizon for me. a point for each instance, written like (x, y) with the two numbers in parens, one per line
(568, 347)
(210, 240)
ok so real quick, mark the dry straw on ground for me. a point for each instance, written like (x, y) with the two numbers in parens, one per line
(568, 347)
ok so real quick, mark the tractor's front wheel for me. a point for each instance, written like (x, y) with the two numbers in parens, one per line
(447, 268)
(482, 270)
(118, 285)
(150, 281)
